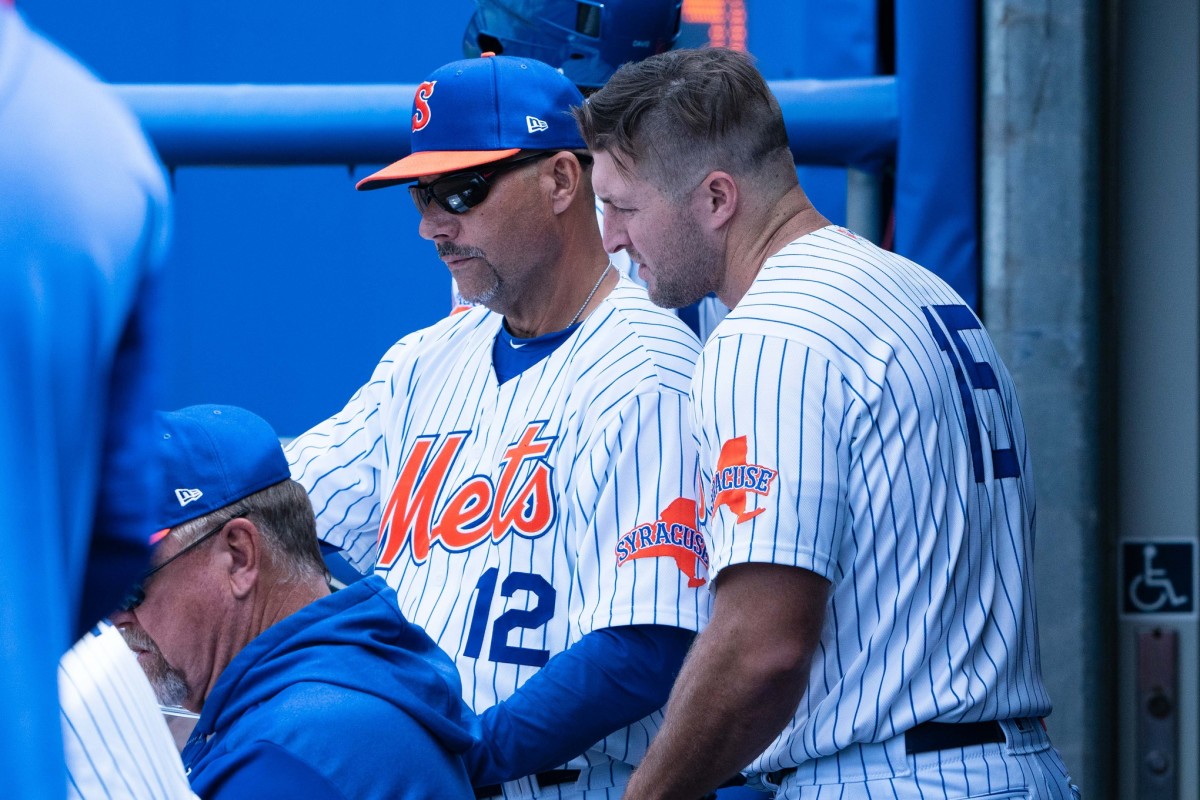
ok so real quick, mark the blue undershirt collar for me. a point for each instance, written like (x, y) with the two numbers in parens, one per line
(512, 355)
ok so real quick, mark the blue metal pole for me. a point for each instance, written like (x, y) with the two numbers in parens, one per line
(833, 122)
(258, 125)
(937, 165)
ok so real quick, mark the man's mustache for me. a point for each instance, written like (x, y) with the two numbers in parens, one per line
(138, 639)
(445, 249)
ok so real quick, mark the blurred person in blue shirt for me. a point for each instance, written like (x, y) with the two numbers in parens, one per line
(84, 218)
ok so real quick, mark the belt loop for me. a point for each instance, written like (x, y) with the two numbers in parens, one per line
(1024, 735)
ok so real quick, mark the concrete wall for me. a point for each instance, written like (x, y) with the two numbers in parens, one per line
(1041, 302)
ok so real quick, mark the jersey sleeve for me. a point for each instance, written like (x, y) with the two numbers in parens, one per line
(341, 461)
(114, 736)
(776, 426)
(606, 681)
(639, 558)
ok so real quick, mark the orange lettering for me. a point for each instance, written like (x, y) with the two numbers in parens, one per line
(535, 494)
(410, 508)
(473, 512)
(733, 454)
(470, 504)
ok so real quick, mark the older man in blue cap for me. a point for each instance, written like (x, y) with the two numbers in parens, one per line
(301, 693)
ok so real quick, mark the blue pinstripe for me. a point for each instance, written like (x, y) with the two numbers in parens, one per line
(830, 371)
(116, 741)
(614, 398)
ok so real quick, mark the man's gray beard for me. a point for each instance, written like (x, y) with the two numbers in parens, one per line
(169, 687)
(166, 681)
(484, 298)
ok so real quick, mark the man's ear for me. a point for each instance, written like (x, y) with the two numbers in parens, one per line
(717, 195)
(242, 541)
(565, 174)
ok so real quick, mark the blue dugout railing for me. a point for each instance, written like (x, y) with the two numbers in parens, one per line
(861, 122)
(834, 122)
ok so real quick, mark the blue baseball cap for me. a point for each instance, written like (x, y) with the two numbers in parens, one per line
(479, 110)
(212, 456)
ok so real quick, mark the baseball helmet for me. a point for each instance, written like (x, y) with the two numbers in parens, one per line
(586, 39)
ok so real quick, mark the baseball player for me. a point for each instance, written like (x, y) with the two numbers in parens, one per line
(866, 487)
(116, 740)
(83, 228)
(587, 46)
(521, 472)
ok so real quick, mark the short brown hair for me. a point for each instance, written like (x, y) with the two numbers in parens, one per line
(678, 115)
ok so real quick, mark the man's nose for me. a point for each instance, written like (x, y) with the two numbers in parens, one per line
(121, 618)
(614, 234)
(437, 223)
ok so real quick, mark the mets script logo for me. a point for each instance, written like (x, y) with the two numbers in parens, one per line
(421, 105)
(520, 501)
(672, 535)
(734, 478)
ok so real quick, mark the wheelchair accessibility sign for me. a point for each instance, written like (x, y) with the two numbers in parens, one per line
(1159, 577)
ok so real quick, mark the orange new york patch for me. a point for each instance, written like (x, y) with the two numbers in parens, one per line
(734, 479)
(672, 535)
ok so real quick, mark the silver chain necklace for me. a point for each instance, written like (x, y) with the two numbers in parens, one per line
(591, 294)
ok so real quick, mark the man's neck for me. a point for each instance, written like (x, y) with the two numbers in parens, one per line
(762, 234)
(285, 599)
(569, 287)
(276, 604)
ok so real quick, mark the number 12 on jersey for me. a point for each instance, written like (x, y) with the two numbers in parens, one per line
(513, 619)
(971, 375)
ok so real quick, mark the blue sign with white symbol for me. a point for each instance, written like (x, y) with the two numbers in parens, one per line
(1158, 577)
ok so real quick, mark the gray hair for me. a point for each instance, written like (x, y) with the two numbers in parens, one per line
(284, 515)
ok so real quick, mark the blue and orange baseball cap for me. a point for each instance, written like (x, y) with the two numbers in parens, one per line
(211, 457)
(479, 110)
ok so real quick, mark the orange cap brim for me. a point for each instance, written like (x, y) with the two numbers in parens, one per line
(431, 162)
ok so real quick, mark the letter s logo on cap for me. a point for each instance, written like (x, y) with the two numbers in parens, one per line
(421, 105)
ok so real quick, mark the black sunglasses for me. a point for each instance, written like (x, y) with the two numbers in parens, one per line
(459, 192)
(137, 593)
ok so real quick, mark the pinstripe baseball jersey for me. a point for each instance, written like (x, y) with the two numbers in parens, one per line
(514, 518)
(116, 741)
(855, 420)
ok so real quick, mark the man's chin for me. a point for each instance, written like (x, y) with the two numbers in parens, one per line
(669, 296)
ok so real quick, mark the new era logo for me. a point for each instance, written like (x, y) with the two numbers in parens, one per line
(536, 125)
(185, 496)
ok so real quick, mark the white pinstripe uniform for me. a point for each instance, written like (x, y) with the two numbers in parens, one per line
(116, 741)
(855, 420)
(512, 518)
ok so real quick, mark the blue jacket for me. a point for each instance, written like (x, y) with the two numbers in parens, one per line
(343, 699)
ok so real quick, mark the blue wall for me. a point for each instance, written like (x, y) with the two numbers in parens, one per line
(816, 39)
(285, 285)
